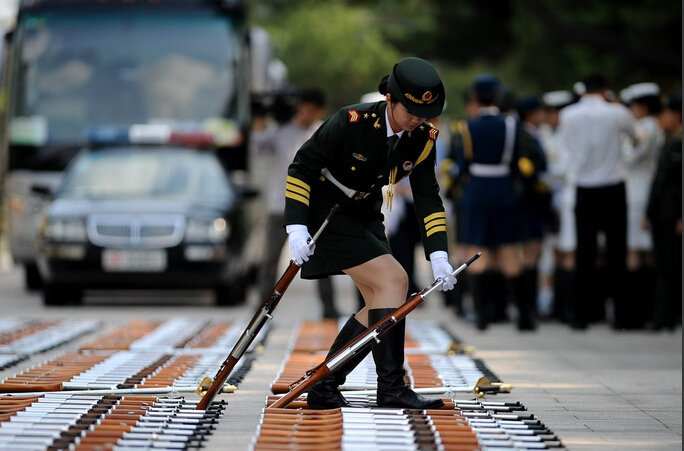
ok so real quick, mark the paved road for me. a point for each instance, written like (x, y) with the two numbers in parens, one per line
(598, 390)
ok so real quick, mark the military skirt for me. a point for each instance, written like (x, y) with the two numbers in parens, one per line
(354, 235)
(488, 216)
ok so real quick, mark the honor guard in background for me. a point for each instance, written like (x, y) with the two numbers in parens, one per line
(643, 100)
(534, 196)
(563, 239)
(347, 161)
(282, 140)
(664, 213)
(591, 131)
(489, 155)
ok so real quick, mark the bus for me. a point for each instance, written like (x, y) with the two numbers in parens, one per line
(78, 70)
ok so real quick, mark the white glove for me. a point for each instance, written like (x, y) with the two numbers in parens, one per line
(298, 238)
(441, 269)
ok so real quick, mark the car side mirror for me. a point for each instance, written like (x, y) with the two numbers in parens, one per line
(42, 190)
(247, 192)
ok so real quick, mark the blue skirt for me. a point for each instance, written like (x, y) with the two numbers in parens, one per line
(488, 212)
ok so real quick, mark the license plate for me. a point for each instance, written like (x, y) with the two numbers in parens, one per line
(139, 260)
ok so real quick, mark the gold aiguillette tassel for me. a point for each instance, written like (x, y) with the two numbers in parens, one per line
(390, 193)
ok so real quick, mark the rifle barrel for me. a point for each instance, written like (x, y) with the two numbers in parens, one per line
(363, 339)
(260, 317)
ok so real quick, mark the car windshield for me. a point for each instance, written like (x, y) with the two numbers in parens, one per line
(80, 69)
(145, 174)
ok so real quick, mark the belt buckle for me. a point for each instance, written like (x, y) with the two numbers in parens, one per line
(360, 195)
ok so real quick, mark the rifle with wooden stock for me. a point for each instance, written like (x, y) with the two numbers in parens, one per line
(371, 334)
(258, 320)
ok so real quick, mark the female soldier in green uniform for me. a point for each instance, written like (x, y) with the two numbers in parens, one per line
(347, 161)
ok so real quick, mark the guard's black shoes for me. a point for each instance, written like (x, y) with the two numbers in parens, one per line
(388, 355)
(406, 398)
(323, 396)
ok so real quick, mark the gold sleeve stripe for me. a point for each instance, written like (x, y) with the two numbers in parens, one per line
(439, 214)
(298, 182)
(435, 230)
(425, 153)
(435, 222)
(295, 189)
(297, 197)
(462, 127)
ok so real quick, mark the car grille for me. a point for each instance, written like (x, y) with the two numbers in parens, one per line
(136, 231)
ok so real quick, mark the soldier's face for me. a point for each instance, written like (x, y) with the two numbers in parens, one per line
(401, 118)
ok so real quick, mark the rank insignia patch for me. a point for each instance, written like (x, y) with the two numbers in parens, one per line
(407, 166)
(433, 133)
(354, 116)
(359, 157)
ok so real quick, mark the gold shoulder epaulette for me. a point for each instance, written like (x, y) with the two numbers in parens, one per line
(433, 133)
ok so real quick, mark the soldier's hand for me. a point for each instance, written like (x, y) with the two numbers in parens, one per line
(298, 240)
(441, 269)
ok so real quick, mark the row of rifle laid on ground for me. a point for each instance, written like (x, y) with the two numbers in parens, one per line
(465, 425)
(90, 422)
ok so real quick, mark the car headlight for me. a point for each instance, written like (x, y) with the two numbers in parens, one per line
(207, 230)
(68, 229)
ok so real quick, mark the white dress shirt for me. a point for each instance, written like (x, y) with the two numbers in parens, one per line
(590, 138)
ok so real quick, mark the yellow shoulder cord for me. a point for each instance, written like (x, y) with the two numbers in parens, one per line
(467, 141)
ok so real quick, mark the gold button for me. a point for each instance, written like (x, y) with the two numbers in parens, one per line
(353, 168)
(380, 176)
(322, 179)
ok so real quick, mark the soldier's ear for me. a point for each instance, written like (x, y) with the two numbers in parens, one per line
(388, 97)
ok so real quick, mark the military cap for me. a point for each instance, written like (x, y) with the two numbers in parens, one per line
(415, 83)
(527, 104)
(639, 91)
(486, 84)
(557, 99)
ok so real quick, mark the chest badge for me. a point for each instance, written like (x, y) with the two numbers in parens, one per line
(359, 157)
(407, 165)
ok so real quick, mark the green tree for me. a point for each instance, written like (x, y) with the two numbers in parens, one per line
(346, 55)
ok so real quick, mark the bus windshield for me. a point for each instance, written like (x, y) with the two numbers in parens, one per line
(76, 70)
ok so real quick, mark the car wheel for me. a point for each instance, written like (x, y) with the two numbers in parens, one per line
(232, 294)
(32, 279)
(61, 295)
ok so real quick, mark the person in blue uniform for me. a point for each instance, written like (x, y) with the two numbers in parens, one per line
(489, 155)
(347, 161)
(534, 194)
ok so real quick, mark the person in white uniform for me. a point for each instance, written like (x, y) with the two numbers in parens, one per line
(562, 238)
(644, 102)
(591, 132)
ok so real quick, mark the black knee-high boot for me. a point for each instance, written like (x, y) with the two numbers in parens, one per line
(478, 288)
(523, 301)
(324, 394)
(532, 282)
(389, 363)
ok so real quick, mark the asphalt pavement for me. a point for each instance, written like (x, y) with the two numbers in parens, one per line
(597, 389)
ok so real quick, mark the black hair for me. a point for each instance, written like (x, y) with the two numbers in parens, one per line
(652, 103)
(383, 86)
(674, 102)
(595, 82)
(314, 96)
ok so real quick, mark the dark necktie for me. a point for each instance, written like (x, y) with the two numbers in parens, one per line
(391, 141)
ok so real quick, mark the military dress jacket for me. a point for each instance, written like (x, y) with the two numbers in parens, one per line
(352, 146)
